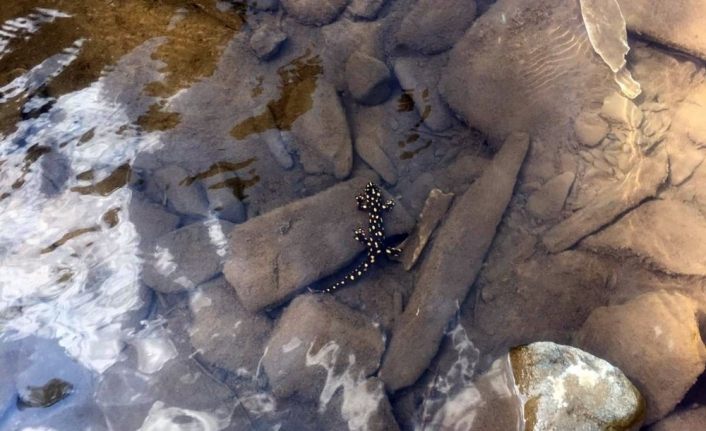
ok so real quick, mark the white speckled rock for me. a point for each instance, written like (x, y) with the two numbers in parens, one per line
(564, 388)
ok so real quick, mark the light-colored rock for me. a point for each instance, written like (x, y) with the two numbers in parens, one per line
(368, 79)
(621, 110)
(547, 202)
(669, 235)
(564, 388)
(322, 135)
(370, 132)
(317, 336)
(655, 340)
(421, 81)
(544, 387)
(433, 26)
(266, 41)
(365, 9)
(435, 208)
(223, 332)
(590, 128)
(280, 252)
(640, 183)
(524, 66)
(451, 266)
(314, 12)
(168, 185)
(685, 420)
(184, 258)
(676, 23)
(688, 136)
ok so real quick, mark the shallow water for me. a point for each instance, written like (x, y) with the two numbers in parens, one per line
(134, 136)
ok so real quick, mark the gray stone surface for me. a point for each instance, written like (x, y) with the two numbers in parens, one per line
(365, 9)
(420, 79)
(369, 139)
(668, 235)
(641, 183)
(266, 41)
(224, 333)
(654, 339)
(433, 26)
(316, 340)
(167, 185)
(275, 255)
(314, 12)
(679, 24)
(568, 389)
(184, 258)
(547, 202)
(453, 262)
(368, 79)
(322, 135)
(151, 220)
(590, 128)
(685, 420)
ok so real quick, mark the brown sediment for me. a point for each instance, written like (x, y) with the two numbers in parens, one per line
(117, 179)
(33, 154)
(406, 155)
(217, 168)
(155, 119)
(86, 175)
(51, 393)
(297, 85)
(258, 89)
(237, 185)
(405, 103)
(86, 137)
(69, 236)
(111, 217)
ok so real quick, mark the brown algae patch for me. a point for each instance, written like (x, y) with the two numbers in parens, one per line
(67, 237)
(155, 119)
(117, 179)
(297, 85)
(236, 184)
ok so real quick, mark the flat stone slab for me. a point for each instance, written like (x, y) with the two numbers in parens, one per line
(278, 253)
(676, 23)
(447, 273)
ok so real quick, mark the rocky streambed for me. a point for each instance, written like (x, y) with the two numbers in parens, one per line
(178, 185)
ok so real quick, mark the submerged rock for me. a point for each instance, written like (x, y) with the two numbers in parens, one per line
(420, 81)
(187, 257)
(435, 208)
(223, 332)
(451, 266)
(545, 387)
(547, 202)
(369, 141)
(564, 388)
(368, 79)
(322, 135)
(266, 42)
(679, 23)
(655, 340)
(590, 128)
(275, 255)
(51, 393)
(524, 66)
(170, 185)
(314, 12)
(433, 26)
(315, 339)
(669, 235)
(686, 420)
(640, 183)
(365, 9)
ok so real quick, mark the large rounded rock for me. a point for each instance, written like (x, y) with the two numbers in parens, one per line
(655, 340)
(433, 26)
(368, 79)
(687, 420)
(314, 12)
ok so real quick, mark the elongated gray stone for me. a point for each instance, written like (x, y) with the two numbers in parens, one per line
(448, 272)
(434, 210)
(640, 183)
(278, 253)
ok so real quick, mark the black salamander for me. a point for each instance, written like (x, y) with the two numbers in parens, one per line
(369, 200)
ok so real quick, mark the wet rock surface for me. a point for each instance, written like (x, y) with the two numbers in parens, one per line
(654, 339)
(687, 420)
(416, 336)
(314, 12)
(368, 79)
(279, 253)
(432, 26)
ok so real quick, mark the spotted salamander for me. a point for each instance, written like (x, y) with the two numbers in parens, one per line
(369, 200)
